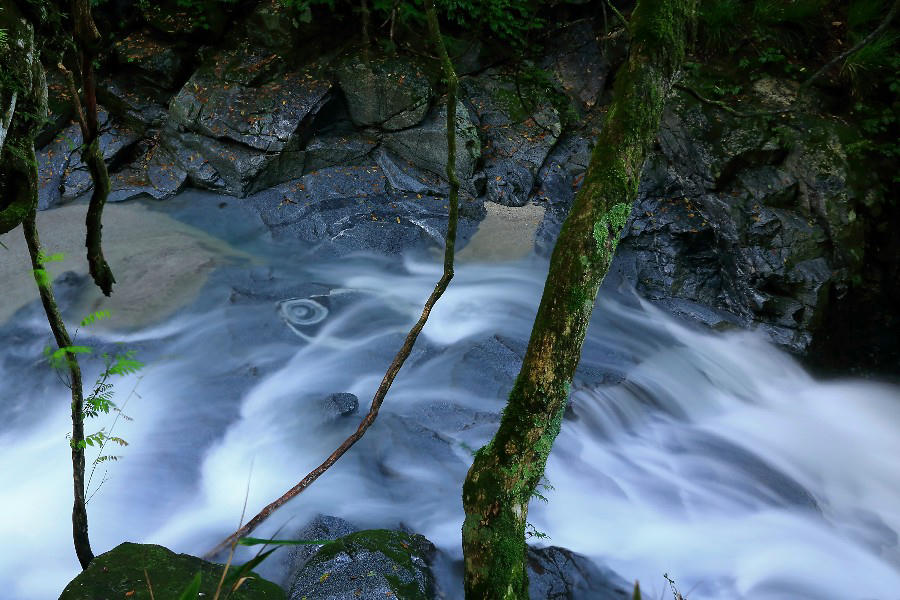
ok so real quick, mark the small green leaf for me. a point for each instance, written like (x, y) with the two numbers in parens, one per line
(192, 590)
(249, 541)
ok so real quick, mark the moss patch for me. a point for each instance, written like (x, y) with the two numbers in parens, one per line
(120, 573)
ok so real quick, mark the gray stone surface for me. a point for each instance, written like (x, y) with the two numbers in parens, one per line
(515, 147)
(374, 563)
(556, 573)
(390, 93)
(340, 405)
(238, 125)
(425, 146)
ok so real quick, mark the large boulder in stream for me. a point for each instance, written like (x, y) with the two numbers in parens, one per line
(132, 570)
(374, 563)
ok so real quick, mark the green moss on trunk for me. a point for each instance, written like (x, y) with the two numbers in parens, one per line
(506, 472)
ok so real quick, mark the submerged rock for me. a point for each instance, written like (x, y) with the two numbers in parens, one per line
(557, 573)
(132, 570)
(340, 405)
(374, 563)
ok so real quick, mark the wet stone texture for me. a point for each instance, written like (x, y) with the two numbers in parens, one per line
(737, 223)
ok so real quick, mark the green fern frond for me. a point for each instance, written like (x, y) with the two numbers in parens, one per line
(94, 317)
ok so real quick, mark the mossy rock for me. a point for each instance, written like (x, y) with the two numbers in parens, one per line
(374, 563)
(120, 573)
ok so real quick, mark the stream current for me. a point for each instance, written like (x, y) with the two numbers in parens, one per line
(712, 457)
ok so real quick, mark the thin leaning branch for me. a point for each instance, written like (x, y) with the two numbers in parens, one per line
(413, 334)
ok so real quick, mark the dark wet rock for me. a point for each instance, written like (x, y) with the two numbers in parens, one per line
(156, 62)
(425, 146)
(340, 405)
(403, 176)
(559, 178)
(374, 563)
(736, 223)
(578, 63)
(756, 222)
(236, 129)
(390, 93)
(557, 573)
(124, 572)
(515, 146)
(335, 148)
(62, 176)
(139, 105)
(322, 527)
(352, 209)
(271, 25)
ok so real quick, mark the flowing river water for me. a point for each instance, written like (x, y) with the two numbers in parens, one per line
(712, 457)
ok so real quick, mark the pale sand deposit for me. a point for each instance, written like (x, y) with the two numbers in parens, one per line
(506, 233)
(160, 264)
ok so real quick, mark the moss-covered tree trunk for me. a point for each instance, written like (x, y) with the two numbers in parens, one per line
(506, 471)
(23, 105)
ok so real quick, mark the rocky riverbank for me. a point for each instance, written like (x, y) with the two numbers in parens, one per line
(739, 222)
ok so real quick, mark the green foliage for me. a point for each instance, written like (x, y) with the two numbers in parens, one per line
(192, 591)
(509, 20)
(531, 88)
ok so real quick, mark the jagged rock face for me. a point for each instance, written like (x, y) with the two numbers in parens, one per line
(63, 177)
(738, 222)
(236, 128)
(389, 93)
(514, 148)
(754, 221)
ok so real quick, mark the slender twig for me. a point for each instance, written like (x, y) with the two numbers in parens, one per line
(119, 412)
(413, 334)
(76, 102)
(618, 14)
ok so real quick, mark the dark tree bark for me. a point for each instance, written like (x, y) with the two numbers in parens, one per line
(87, 40)
(506, 471)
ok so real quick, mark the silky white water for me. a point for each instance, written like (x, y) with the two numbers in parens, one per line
(711, 457)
